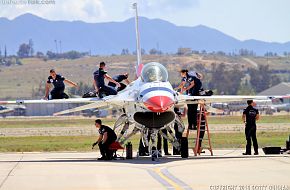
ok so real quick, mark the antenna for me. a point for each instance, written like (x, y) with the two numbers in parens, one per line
(137, 36)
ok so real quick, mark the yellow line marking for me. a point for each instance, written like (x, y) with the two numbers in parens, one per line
(175, 185)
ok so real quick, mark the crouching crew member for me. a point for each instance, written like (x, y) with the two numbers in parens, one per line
(99, 81)
(191, 84)
(58, 83)
(119, 79)
(250, 115)
(106, 138)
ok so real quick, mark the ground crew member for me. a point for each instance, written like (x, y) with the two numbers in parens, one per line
(178, 134)
(250, 115)
(119, 79)
(165, 143)
(106, 138)
(99, 81)
(58, 83)
(191, 85)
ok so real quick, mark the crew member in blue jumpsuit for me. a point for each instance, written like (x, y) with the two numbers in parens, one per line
(191, 84)
(58, 82)
(99, 81)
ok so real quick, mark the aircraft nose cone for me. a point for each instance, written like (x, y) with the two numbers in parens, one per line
(159, 103)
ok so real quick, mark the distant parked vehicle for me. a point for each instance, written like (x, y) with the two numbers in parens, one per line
(282, 104)
(94, 112)
(19, 111)
(5, 110)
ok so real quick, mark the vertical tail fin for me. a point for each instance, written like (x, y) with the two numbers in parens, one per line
(139, 65)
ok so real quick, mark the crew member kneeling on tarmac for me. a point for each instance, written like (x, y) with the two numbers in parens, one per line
(58, 83)
(106, 138)
(194, 84)
(119, 79)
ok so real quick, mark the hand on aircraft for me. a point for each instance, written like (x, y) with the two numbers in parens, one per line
(182, 90)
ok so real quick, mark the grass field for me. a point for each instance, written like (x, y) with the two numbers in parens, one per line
(80, 122)
(50, 122)
(83, 143)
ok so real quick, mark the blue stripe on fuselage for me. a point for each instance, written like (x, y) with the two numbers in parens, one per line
(156, 88)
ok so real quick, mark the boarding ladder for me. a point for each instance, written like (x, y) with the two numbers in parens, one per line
(202, 128)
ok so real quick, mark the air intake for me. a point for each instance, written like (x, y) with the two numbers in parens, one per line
(154, 120)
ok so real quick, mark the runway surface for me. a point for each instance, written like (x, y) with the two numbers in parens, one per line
(226, 170)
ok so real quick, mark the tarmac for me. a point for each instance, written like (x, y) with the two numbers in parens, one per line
(226, 170)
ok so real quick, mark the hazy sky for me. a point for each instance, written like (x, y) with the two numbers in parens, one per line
(267, 20)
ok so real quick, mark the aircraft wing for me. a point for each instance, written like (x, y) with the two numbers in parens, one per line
(185, 99)
(119, 100)
(71, 100)
(108, 101)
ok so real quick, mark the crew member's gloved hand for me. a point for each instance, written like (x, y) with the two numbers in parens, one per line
(94, 144)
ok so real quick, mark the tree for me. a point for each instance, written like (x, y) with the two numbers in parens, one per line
(225, 81)
(246, 88)
(260, 78)
(24, 50)
(72, 55)
(198, 67)
(286, 54)
(39, 54)
(153, 51)
(125, 51)
(50, 55)
(143, 52)
(270, 54)
(246, 52)
(221, 53)
(275, 79)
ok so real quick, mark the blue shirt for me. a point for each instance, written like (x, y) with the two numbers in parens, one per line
(57, 82)
(194, 91)
(99, 77)
(251, 114)
(188, 79)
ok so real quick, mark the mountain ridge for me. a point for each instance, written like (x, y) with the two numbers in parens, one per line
(107, 38)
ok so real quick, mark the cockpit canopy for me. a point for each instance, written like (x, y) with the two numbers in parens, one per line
(154, 72)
